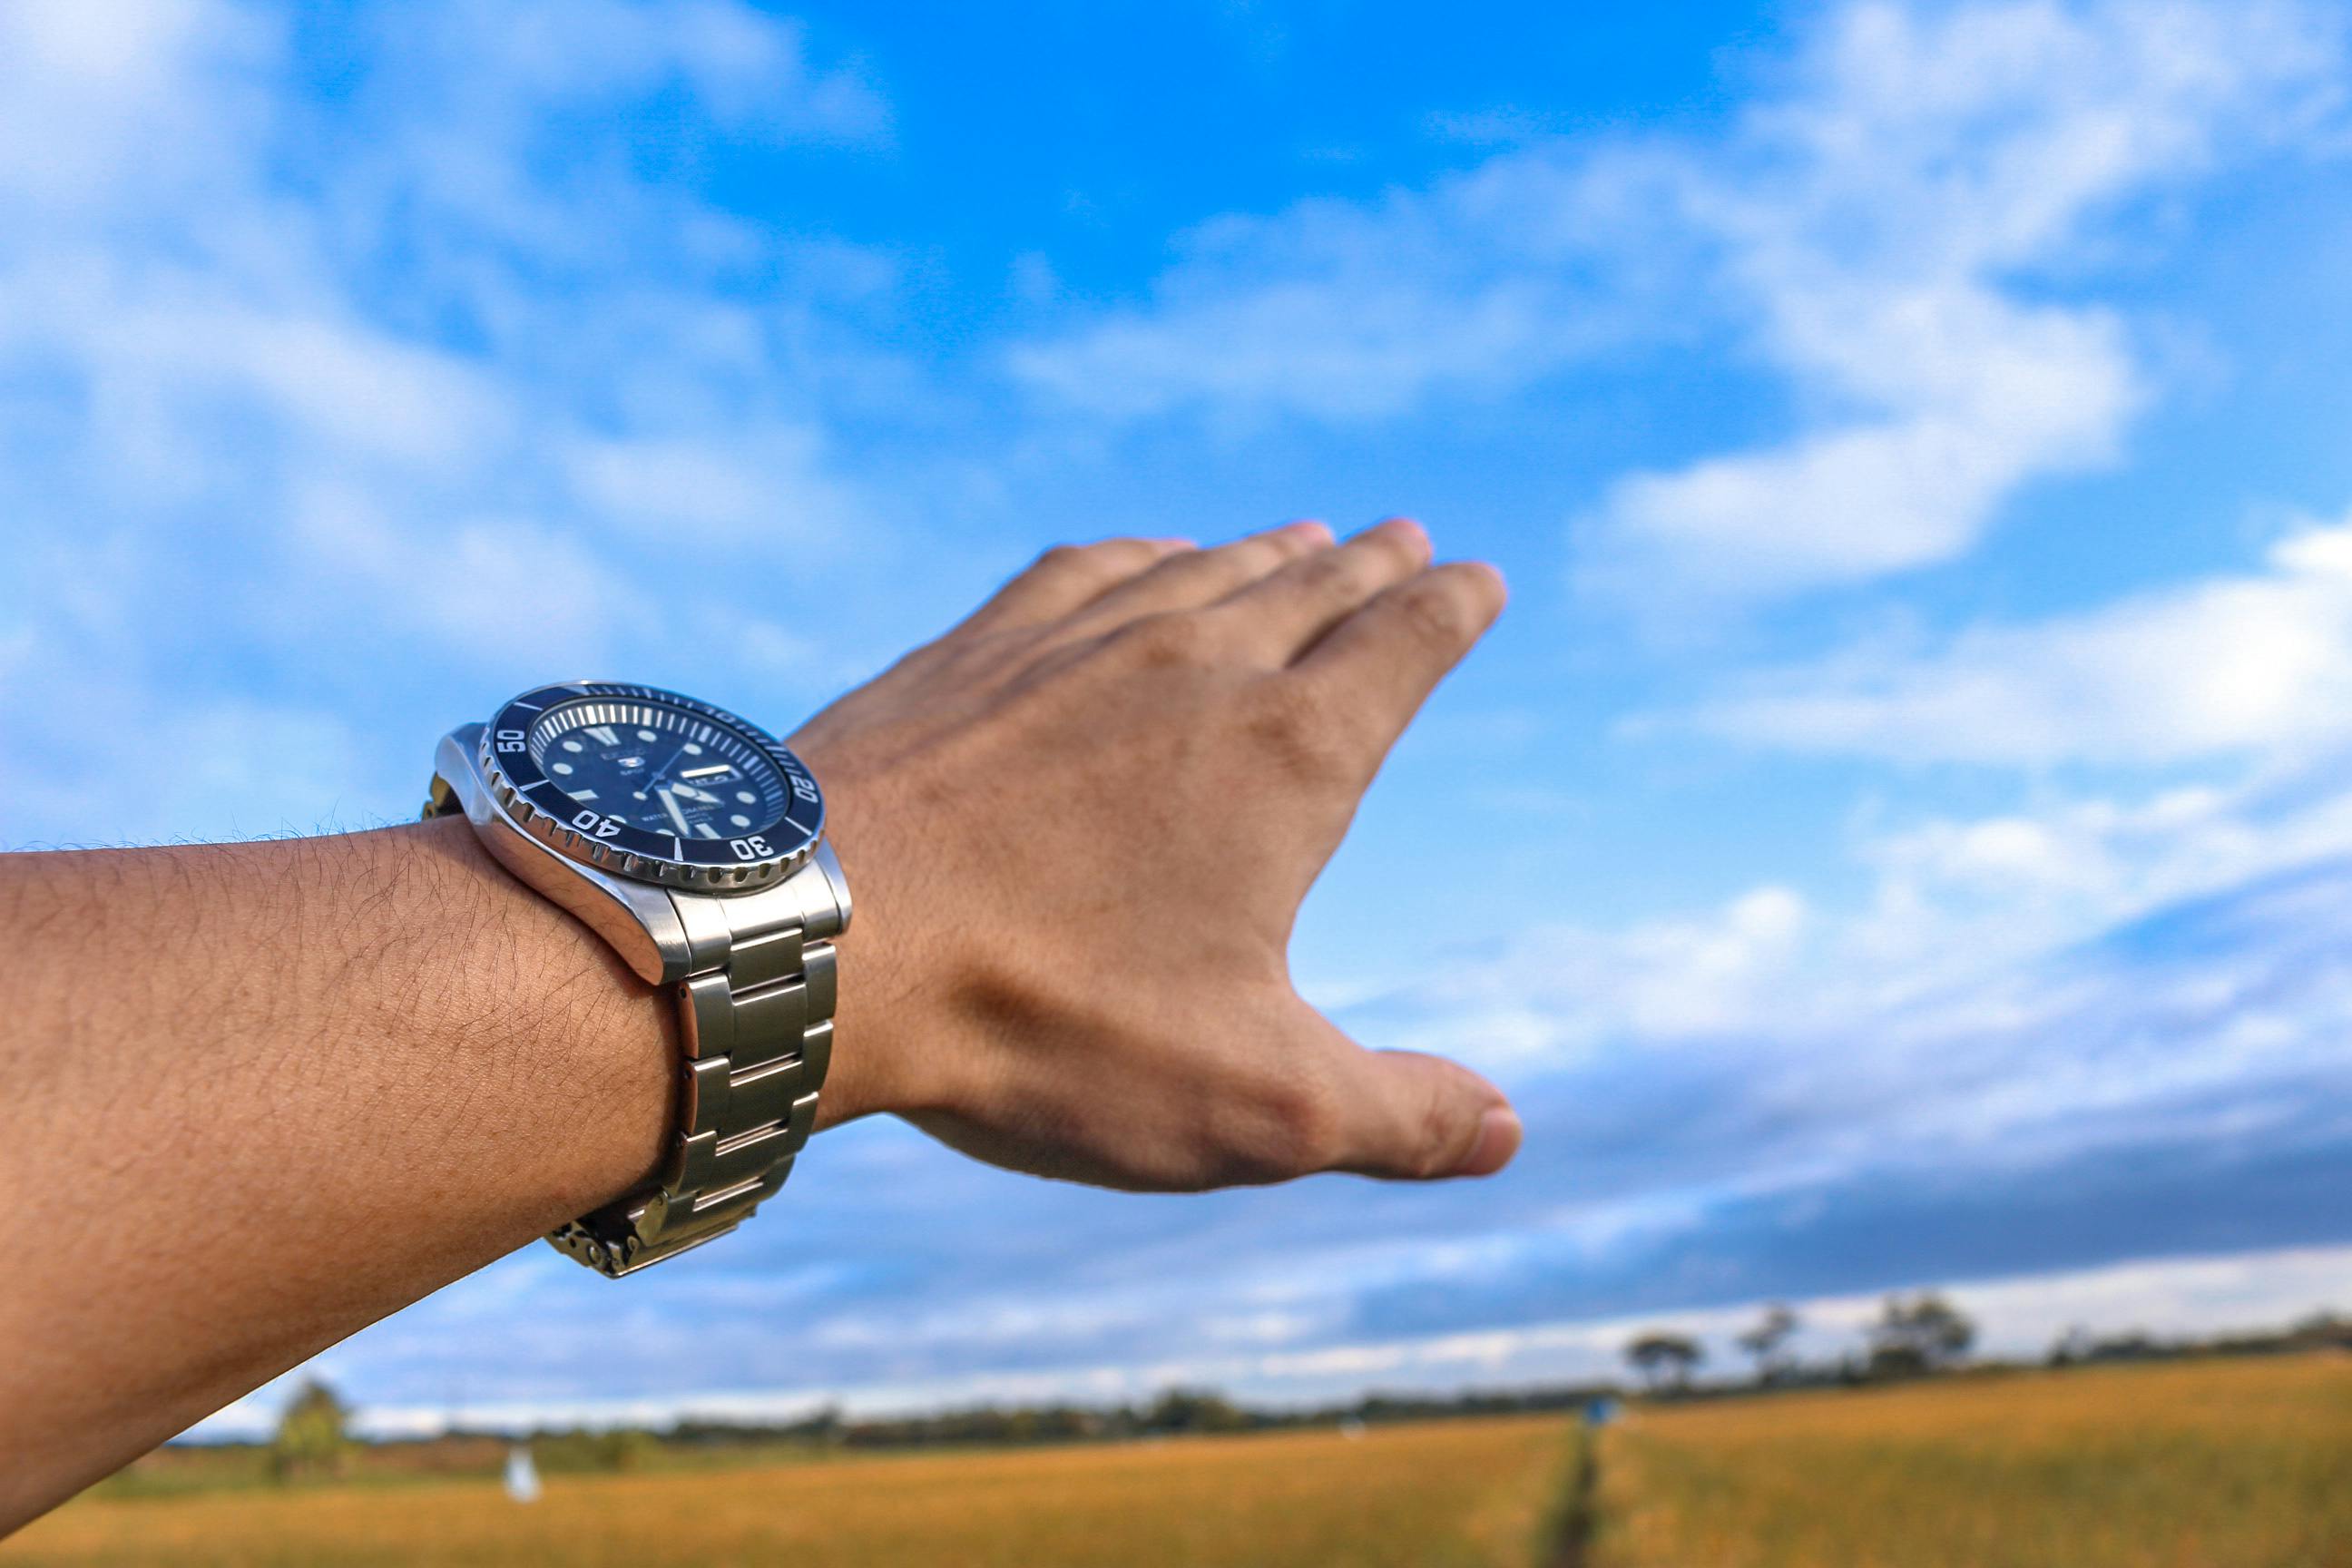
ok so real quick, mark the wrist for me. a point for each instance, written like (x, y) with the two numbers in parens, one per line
(878, 990)
(587, 1048)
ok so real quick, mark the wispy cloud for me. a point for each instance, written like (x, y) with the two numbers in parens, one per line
(1892, 217)
(1896, 230)
(2234, 666)
(424, 364)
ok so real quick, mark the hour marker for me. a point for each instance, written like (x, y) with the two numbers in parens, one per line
(692, 749)
(647, 735)
(740, 820)
(747, 797)
(706, 830)
(579, 793)
(605, 735)
(563, 767)
(708, 772)
(571, 745)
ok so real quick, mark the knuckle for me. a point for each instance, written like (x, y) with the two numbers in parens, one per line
(1435, 609)
(1095, 560)
(1291, 543)
(1244, 559)
(1404, 542)
(1297, 1130)
(1297, 731)
(1167, 640)
(1336, 572)
(1437, 1134)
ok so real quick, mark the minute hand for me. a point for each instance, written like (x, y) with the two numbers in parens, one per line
(670, 804)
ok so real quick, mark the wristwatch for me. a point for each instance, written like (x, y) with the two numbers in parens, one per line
(693, 842)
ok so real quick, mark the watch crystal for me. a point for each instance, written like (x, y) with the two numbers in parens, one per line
(662, 769)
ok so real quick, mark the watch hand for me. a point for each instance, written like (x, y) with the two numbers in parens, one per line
(670, 804)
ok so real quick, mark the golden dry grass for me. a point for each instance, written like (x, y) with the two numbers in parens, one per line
(1468, 1493)
(2241, 1464)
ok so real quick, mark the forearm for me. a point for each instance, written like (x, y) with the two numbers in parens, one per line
(262, 1095)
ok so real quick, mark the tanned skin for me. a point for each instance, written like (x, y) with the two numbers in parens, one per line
(258, 1096)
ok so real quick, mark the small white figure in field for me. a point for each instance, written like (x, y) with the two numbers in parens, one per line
(522, 1476)
(1351, 1429)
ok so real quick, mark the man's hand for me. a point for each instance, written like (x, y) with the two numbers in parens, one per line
(298, 1084)
(1079, 828)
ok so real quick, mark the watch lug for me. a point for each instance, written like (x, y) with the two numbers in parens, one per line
(836, 885)
(636, 919)
(814, 898)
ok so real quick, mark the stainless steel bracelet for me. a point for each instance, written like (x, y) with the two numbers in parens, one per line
(757, 1028)
(755, 1010)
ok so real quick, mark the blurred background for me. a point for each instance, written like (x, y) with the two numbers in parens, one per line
(1900, 835)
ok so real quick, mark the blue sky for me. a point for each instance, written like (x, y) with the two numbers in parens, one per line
(1896, 835)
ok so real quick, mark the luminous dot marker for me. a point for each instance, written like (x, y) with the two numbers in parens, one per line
(571, 745)
(740, 820)
(563, 767)
(747, 797)
(693, 749)
(647, 735)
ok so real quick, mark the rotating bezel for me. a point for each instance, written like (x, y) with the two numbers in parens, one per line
(540, 807)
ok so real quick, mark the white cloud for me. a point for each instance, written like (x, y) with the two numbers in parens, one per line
(2228, 666)
(1879, 217)
(771, 486)
(1559, 992)
(1878, 228)
(1963, 999)
(746, 69)
(289, 388)
(1347, 312)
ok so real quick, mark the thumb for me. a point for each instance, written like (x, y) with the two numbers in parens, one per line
(1411, 1115)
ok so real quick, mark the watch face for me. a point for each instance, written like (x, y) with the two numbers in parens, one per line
(656, 785)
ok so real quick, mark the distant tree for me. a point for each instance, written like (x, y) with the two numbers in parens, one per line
(1194, 1410)
(1664, 1359)
(2322, 1330)
(313, 1434)
(1925, 1333)
(1764, 1341)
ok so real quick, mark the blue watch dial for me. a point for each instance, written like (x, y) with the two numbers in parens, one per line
(658, 767)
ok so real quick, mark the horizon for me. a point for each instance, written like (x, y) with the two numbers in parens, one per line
(2208, 1299)
(1897, 837)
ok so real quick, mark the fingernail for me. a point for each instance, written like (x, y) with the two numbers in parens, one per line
(1499, 1131)
(1314, 526)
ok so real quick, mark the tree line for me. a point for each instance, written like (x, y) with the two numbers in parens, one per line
(1922, 1334)
(1913, 1336)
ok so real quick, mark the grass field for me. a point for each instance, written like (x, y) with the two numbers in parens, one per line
(2230, 1464)
(1468, 1493)
(2216, 1464)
